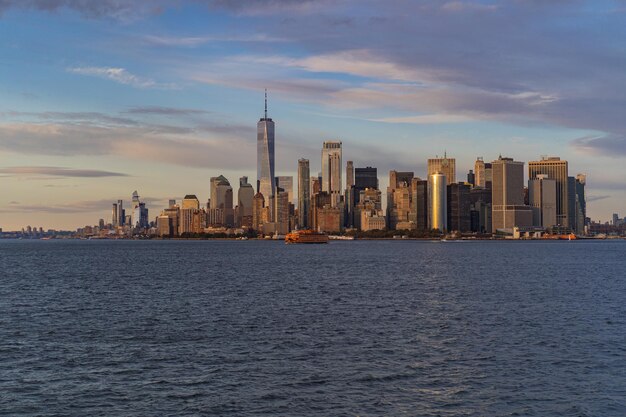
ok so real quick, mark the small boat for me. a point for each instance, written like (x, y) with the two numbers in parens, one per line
(306, 236)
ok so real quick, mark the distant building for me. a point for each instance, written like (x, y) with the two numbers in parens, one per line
(331, 171)
(581, 204)
(508, 209)
(366, 178)
(556, 169)
(286, 183)
(458, 207)
(471, 178)
(222, 198)
(304, 194)
(542, 200)
(265, 155)
(349, 174)
(259, 215)
(445, 166)
(245, 195)
(419, 203)
(139, 213)
(437, 202)
(482, 173)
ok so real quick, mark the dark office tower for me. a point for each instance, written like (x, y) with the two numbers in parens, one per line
(121, 213)
(507, 195)
(480, 200)
(581, 203)
(114, 218)
(459, 207)
(571, 202)
(349, 174)
(265, 155)
(556, 169)
(304, 193)
(366, 178)
(419, 203)
(471, 178)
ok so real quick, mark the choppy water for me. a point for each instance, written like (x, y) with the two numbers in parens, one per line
(351, 328)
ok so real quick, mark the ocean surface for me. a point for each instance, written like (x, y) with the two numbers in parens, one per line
(362, 328)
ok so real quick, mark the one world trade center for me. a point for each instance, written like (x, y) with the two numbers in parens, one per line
(265, 156)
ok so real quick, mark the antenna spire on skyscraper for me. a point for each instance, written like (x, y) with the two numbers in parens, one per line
(266, 103)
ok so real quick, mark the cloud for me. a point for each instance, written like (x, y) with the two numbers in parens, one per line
(592, 198)
(58, 172)
(606, 145)
(194, 41)
(165, 111)
(124, 10)
(426, 119)
(119, 75)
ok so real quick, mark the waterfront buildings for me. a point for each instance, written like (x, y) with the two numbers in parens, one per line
(458, 207)
(419, 203)
(304, 194)
(286, 183)
(265, 155)
(445, 166)
(245, 195)
(399, 200)
(556, 169)
(349, 174)
(221, 201)
(482, 173)
(542, 199)
(331, 171)
(437, 204)
(507, 193)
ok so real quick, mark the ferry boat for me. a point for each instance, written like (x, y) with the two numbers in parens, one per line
(306, 236)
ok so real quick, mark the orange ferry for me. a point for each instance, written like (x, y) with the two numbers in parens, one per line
(306, 236)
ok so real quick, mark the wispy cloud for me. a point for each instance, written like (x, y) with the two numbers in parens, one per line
(427, 119)
(194, 41)
(58, 172)
(165, 111)
(119, 75)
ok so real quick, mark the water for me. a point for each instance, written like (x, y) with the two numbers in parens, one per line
(246, 328)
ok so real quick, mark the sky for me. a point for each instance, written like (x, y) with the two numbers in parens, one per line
(102, 98)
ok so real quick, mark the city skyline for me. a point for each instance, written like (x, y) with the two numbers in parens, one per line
(83, 126)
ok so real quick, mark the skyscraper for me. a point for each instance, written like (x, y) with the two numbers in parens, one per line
(304, 193)
(349, 174)
(556, 169)
(482, 173)
(458, 210)
(581, 203)
(265, 155)
(419, 203)
(445, 165)
(366, 178)
(222, 199)
(437, 204)
(121, 213)
(140, 212)
(507, 193)
(542, 200)
(399, 199)
(245, 195)
(331, 171)
(114, 218)
(286, 183)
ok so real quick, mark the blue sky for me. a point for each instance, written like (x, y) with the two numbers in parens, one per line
(98, 99)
